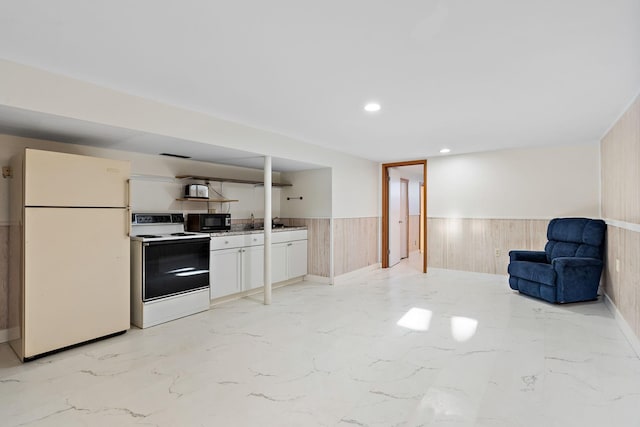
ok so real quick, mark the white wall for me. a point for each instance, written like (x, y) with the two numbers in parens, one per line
(534, 183)
(354, 180)
(414, 190)
(153, 187)
(314, 186)
(414, 197)
(355, 188)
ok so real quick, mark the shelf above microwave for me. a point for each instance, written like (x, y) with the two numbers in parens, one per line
(196, 199)
(237, 181)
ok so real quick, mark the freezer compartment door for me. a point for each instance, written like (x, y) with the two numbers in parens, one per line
(76, 282)
(61, 179)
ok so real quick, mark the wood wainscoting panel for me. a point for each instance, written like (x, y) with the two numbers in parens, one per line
(620, 157)
(318, 243)
(436, 242)
(630, 288)
(481, 245)
(355, 243)
(614, 238)
(622, 286)
(414, 233)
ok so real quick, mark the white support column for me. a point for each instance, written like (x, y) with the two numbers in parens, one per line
(267, 230)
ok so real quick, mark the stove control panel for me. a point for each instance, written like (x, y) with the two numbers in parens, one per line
(150, 218)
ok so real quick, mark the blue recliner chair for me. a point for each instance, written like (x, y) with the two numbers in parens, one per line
(569, 269)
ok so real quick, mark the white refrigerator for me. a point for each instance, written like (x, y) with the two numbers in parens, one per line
(69, 246)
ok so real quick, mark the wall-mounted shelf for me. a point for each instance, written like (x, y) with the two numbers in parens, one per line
(236, 181)
(195, 199)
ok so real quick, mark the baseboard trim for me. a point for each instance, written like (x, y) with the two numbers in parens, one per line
(255, 291)
(624, 326)
(346, 277)
(317, 279)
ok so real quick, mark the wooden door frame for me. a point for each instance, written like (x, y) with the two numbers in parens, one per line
(407, 211)
(423, 214)
(385, 210)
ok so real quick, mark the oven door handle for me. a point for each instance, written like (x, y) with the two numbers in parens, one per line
(179, 241)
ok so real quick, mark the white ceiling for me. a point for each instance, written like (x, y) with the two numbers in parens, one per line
(468, 75)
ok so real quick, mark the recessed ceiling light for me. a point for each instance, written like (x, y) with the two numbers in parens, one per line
(445, 151)
(372, 107)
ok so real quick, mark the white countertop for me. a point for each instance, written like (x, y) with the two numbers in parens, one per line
(259, 231)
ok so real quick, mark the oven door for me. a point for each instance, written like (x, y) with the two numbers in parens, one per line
(174, 266)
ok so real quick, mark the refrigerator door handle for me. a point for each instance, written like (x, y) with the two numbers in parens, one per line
(127, 222)
(128, 193)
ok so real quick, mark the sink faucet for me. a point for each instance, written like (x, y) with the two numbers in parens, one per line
(253, 221)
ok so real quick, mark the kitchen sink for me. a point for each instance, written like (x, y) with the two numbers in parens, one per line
(276, 227)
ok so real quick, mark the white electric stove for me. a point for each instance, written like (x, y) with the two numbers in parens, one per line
(169, 269)
(150, 227)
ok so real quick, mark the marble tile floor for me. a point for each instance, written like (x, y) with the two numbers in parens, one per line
(392, 348)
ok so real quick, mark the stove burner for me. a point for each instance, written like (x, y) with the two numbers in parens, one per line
(183, 234)
(147, 236)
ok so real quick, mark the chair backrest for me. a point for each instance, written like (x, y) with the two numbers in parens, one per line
(575, 237)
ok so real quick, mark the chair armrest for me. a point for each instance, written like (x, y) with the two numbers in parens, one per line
(578, 278)
(572, 262)
(531, 256)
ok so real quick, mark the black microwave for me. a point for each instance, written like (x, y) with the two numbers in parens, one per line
(209, 222)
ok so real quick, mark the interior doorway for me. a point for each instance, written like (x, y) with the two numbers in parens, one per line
(391, 216)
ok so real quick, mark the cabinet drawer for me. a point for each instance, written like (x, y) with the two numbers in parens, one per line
(226, 242)
(281, 236)
(297, 235)
(254, 239)
(237, 241)
(288, 236)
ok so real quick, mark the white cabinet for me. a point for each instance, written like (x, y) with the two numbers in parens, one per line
(296, 259)
(235, 266)
(225, 276)
(252, 267)
(237, 262)
(288, 260)
(236, 270)
(279, 262)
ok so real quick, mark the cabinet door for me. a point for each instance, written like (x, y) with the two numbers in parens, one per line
(279, 262)
(296, 258)
(225, 272)
(252, 267)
